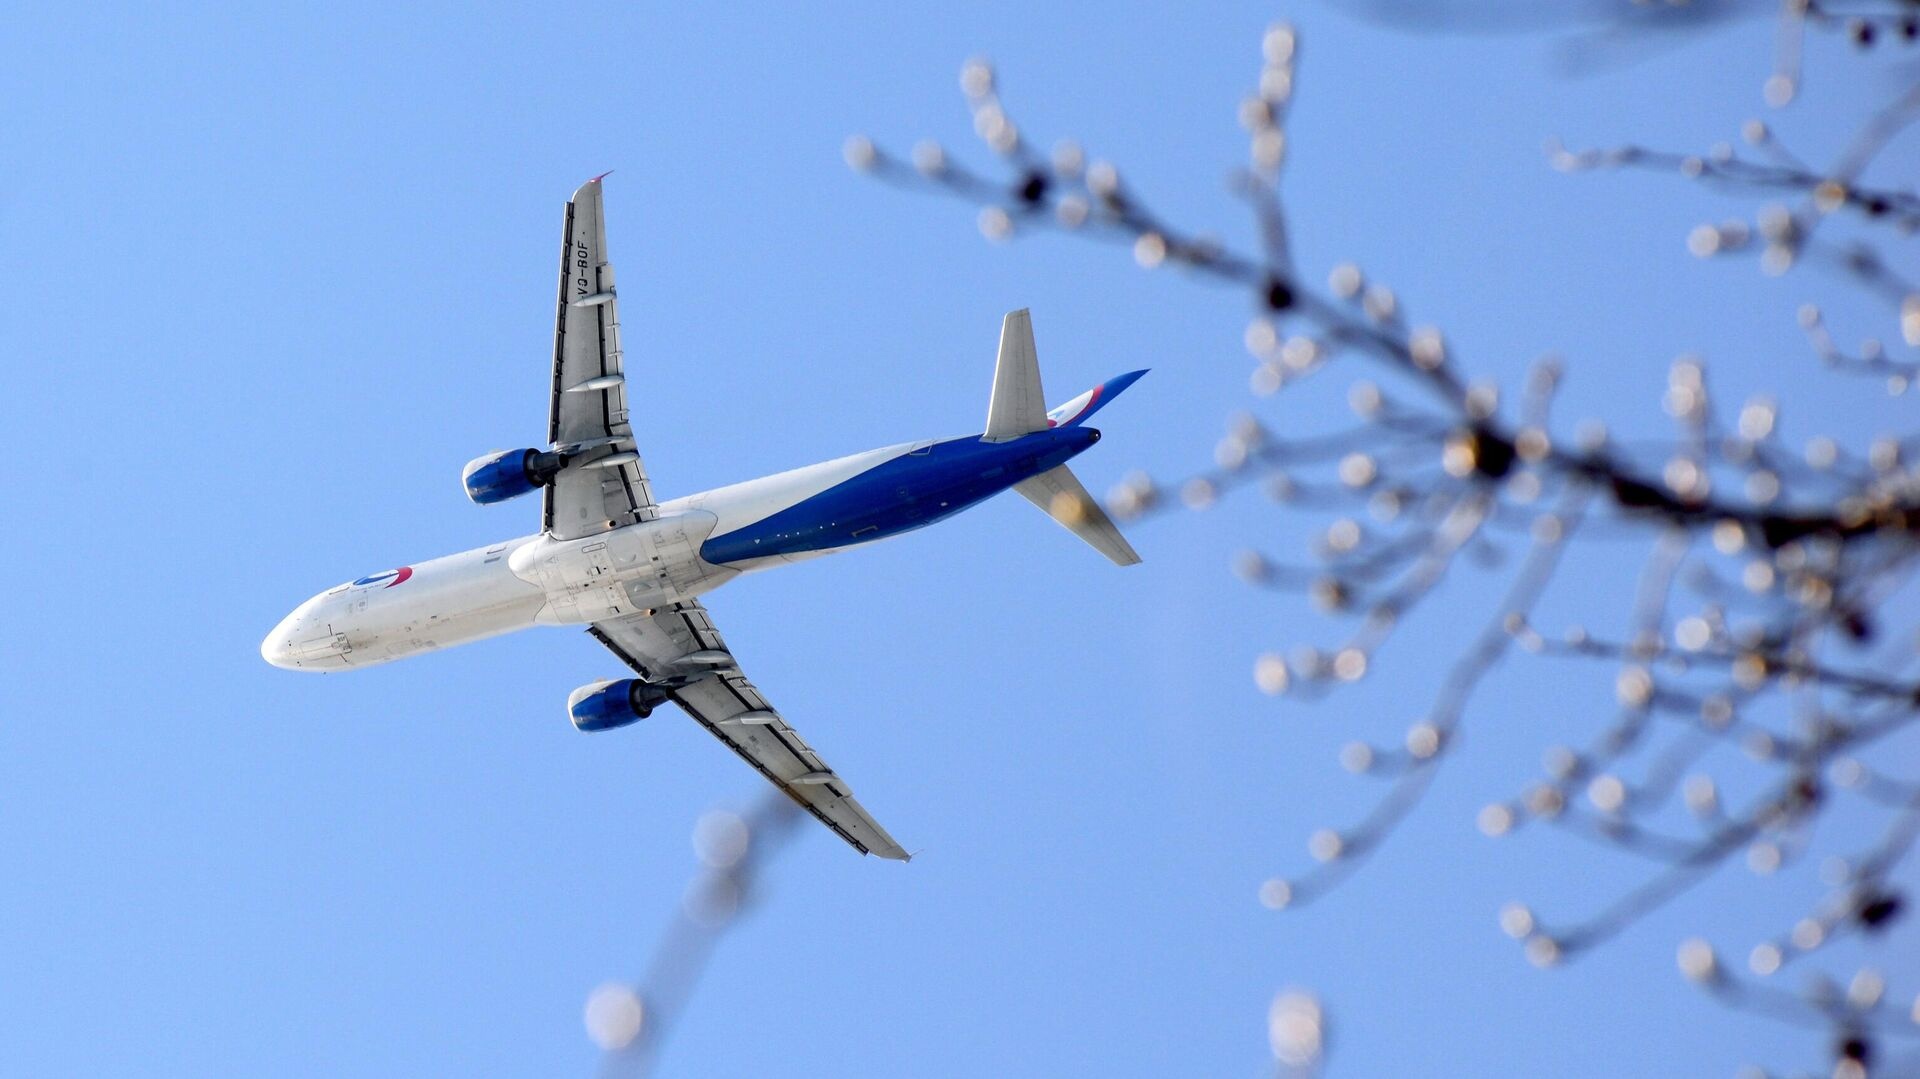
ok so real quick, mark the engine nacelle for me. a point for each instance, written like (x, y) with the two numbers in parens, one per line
(506, 474)
(603, 706)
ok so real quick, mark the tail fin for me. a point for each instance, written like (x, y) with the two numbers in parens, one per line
(1059, 493)
(1019, 406)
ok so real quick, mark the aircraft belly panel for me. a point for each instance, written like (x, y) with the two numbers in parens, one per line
(640, 567)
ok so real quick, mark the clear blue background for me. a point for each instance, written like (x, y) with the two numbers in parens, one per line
(273, 276)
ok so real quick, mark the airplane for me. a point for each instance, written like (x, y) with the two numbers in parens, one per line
(631, 569)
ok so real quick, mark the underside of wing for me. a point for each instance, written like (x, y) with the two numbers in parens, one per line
(604, 484)
(679, 648)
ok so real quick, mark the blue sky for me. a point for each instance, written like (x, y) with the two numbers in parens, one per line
(276, 275)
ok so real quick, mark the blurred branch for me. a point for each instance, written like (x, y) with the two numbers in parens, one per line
(1769, 572)
(630, 1023)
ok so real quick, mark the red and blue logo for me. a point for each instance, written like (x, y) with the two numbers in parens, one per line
(390, 578)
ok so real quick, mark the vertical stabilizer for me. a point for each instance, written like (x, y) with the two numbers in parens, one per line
(1019, 406)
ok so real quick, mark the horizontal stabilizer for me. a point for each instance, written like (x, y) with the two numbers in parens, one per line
(1059, 493)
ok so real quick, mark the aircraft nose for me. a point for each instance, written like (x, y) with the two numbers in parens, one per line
(277, 648)
(305, 641)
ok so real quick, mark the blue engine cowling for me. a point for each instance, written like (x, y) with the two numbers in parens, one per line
(603, 706)
(506, 474)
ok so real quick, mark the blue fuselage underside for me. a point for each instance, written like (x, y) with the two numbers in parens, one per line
(908, 492)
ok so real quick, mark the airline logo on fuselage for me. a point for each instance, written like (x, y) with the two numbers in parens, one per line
(389, 578)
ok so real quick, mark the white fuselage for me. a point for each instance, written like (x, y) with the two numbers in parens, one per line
(540, 580)
(488, 591)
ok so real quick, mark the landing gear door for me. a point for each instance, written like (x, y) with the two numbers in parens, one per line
(328, 644)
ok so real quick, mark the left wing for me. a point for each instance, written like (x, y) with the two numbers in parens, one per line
(680, 642)
(604, 484)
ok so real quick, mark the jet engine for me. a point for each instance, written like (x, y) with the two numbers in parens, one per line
(506, 474)
(603, 706)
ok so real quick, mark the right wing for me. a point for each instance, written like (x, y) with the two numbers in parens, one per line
(604, 485)
(669, 644)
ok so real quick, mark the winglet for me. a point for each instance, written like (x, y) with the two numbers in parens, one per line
(601, 177)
